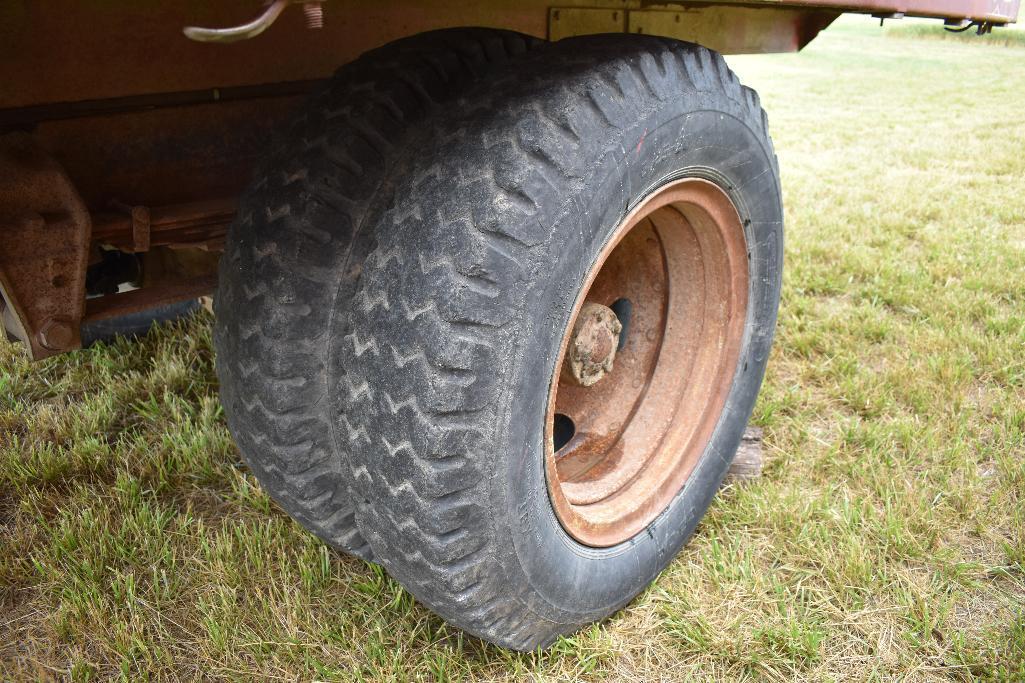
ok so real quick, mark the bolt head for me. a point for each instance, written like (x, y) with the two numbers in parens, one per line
(56, 335)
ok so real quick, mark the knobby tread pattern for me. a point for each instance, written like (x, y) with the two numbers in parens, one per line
(421, 352)
(295, 252)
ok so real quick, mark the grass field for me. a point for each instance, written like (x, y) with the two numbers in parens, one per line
(885, 541)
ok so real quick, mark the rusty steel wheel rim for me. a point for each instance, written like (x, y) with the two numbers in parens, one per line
(631, 410)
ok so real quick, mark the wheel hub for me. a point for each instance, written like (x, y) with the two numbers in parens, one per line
(593, 347)
(629, 419)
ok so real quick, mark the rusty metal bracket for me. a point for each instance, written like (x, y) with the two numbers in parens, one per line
(201, 224)
(139, 218)
(44, 232)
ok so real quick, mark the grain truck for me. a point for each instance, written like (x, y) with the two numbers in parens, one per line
(494, 282)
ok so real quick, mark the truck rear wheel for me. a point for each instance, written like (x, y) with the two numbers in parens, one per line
(557, 341)
(297, 247)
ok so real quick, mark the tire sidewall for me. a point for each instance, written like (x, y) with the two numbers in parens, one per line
(712, 138)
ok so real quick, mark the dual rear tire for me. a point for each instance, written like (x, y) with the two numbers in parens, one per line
(392, 363)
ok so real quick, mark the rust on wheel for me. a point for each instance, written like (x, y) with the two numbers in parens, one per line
(647, 362)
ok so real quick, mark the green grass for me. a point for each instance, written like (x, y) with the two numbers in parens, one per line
(885, 541)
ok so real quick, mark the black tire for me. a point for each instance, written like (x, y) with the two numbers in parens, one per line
(296, 249)
(462, 304)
